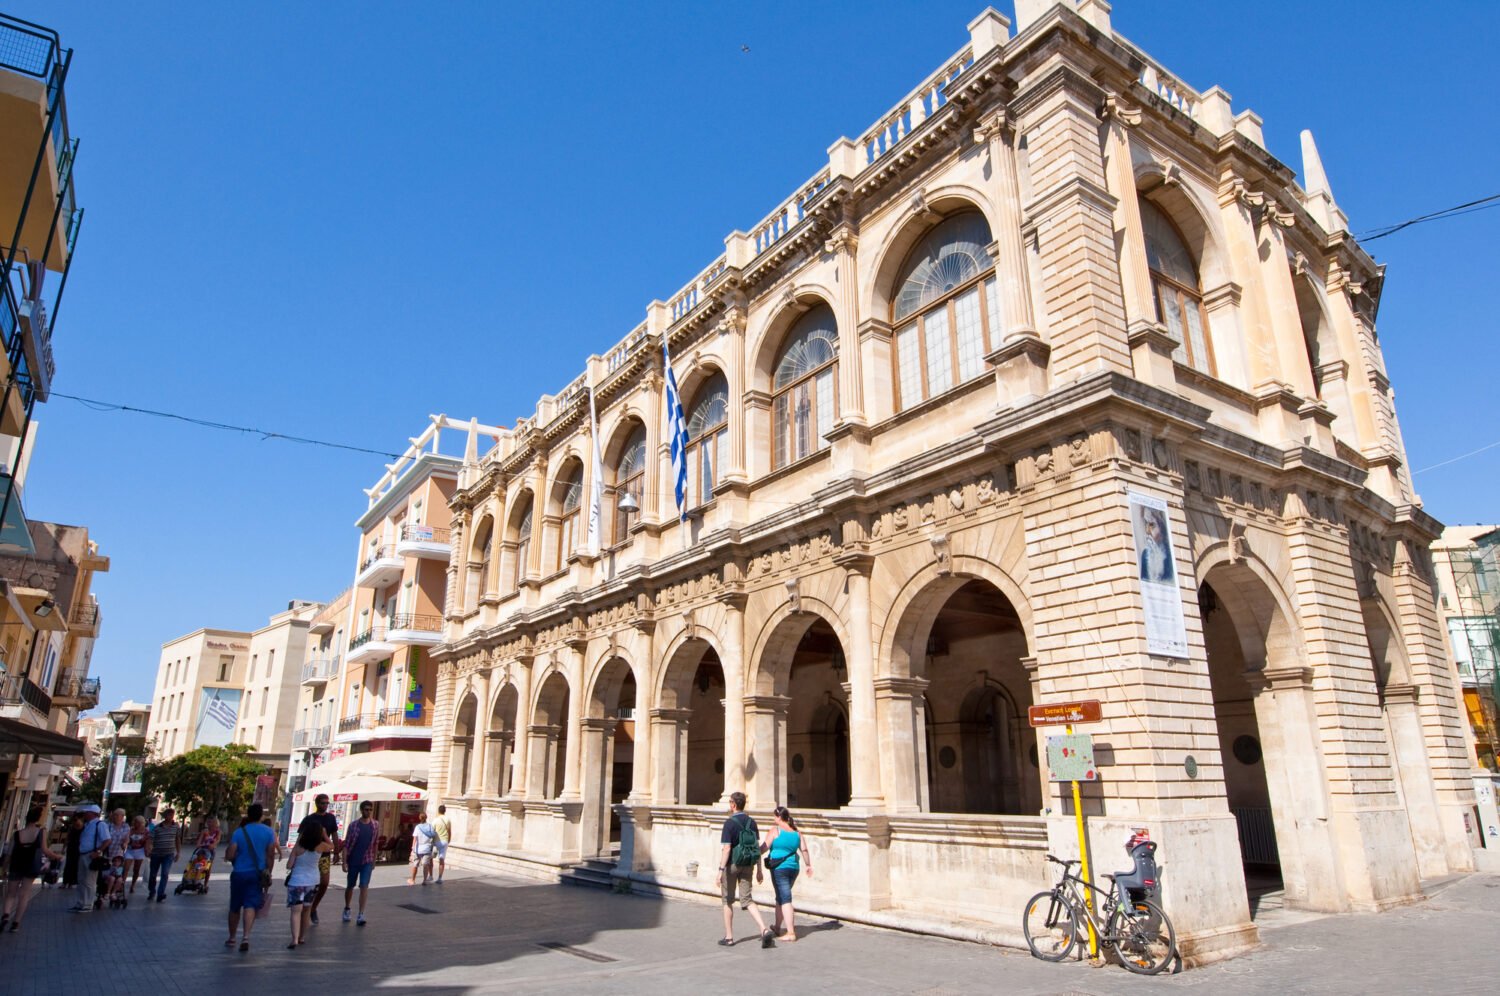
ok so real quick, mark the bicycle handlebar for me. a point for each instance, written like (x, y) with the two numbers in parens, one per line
(1059, 861)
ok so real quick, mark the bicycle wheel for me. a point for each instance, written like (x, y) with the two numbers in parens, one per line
(1051, 926)
(1145, 938)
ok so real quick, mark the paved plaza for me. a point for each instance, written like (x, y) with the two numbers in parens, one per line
(485, 934)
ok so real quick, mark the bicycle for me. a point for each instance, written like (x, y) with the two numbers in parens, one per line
(1141, 935)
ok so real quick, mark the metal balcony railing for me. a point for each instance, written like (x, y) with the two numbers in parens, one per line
(309, 737)
(80, 691)
(16, 689)
(398, 717)
(379, 553)
(322, 669)
(421, 622)
(425, 534)
(28, 48)
(373, 633)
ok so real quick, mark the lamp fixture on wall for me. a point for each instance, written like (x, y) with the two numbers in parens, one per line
(627, 503)
(44, 608)
(839, 665)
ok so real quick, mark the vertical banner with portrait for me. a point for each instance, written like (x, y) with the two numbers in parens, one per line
(127, 775)
(1156, 566)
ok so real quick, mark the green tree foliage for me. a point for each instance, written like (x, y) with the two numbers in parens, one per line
(206, 781)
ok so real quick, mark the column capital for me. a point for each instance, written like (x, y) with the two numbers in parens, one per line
(894, 686)
(1279, 678)
(767, 703)
(1401, 693)
(601, 724)
(856, 562)
(672, 715)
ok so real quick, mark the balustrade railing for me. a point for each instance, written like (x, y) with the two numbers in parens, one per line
(789, 214)
(687, 299)
(916, 107)
(628, 347)
(320, 669)
(310, 737)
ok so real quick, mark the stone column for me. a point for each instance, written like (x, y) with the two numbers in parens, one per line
(572, 763)
(542, 760)
(765, 748)
(734, 665)
(520, 774)
(1286, 714)
(864, 742)
(475, 786)
(1415, 777)
(669, 755)
(841, 245)
(597, 755)
(902, 714)
(1011, 279)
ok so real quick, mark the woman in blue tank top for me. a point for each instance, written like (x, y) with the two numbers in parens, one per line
(786, 855)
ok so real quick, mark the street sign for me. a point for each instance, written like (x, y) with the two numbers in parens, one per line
(1070, 758)
(1065, 713)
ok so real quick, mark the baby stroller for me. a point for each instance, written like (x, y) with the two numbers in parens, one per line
(195, 874)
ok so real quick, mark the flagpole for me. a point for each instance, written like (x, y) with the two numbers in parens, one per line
(596, 484)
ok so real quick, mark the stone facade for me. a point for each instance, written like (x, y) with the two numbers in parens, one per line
(922, 392)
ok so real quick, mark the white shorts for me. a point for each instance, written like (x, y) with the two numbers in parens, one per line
(442, 849)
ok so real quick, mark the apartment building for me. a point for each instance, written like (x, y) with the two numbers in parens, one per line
(273, 683)
(200, 681)
(49, 621)
(318, 690)
(1053, 385)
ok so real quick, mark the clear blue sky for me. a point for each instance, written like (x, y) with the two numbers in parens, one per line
(332, 219)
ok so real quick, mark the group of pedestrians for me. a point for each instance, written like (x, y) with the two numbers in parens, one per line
(744, 853)
(254, 852)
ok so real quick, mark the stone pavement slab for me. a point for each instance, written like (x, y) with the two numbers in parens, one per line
(483, 934)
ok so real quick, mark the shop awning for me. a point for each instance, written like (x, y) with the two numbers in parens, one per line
(359, 788)
(402, 765)
(18, 738)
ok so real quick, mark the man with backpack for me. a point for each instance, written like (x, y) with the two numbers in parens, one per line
(739, 858)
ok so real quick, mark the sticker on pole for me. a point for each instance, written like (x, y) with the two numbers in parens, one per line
(1070, 758)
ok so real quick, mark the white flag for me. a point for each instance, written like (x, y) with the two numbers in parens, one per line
(596, 483)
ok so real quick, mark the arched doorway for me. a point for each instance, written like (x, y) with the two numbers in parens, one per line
(981, 752)
(817, 722)
(502, 743)
(1241, 745)
(689, 725)
(462, 747)
(608, 756)
(548, 752)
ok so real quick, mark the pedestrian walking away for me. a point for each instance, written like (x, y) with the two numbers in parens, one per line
(28, 848)
(360, 847)
(423, 846)
(251, 853)
(786, 855)
(325, 821)
(93, 841)
(166, 848)
(302, 878)
(739, 859)
(135, 849)
(443, 827)
(70, 863)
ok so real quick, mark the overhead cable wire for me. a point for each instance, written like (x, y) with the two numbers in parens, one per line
(1483, 204)
(1461, 456)
(109, 406)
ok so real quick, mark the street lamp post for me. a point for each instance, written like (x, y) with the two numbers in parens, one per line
(117, 718)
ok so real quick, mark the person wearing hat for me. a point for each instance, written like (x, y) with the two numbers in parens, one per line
(92, 842)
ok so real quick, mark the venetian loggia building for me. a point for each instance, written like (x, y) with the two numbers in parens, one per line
(1055, 384)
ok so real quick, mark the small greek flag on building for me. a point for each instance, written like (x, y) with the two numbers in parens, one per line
(677, 433)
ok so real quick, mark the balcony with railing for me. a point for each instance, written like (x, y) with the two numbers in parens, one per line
(372, 644)
(320, 670)
(75, 690)
(384, 721)
(17, 690)
(425, 629)
(311, 737)
(85, 616)
(381, 568)
(430, 542)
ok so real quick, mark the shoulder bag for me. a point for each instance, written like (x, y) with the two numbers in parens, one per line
(265, 873)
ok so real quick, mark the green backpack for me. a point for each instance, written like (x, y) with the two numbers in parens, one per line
(746, 850)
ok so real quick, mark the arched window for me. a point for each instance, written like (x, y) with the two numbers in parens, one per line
(708, 439)
(805, 393)
(571, 489)
(479, 564)
(1174, 284)
(523, 546)
(946, 311)
(630, 479)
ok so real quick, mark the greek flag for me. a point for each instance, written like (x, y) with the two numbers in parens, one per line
(596, 482)
(677, 433)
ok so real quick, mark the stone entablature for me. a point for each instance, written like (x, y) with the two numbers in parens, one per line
(853, 623)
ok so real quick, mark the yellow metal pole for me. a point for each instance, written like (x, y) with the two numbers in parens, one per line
(1083, 853)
